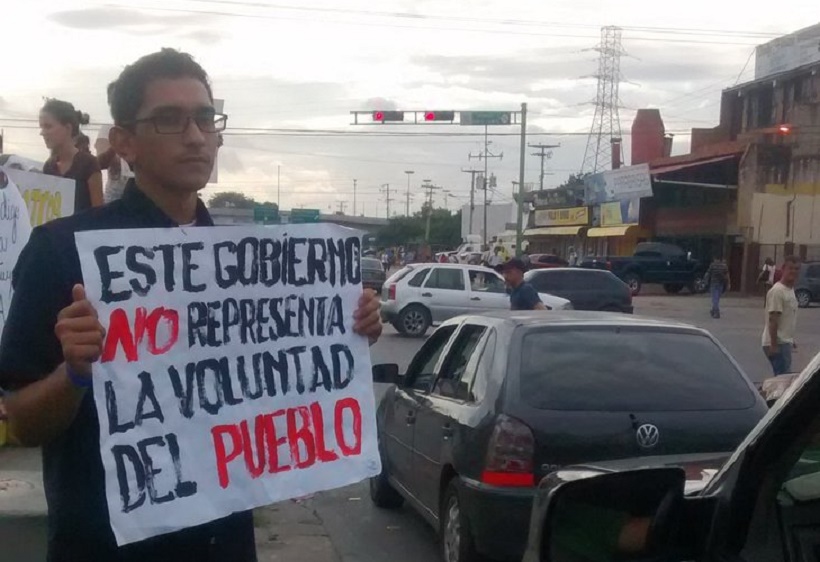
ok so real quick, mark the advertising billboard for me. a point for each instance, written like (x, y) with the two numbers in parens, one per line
(622, 189)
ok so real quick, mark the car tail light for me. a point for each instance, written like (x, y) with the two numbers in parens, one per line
(510, 453)
(609, 265)
(391, 292)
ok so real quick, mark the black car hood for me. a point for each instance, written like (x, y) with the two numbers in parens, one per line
(700, 468)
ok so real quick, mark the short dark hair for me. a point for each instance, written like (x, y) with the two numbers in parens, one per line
(126, 93)
(791, 259)
(66, 114)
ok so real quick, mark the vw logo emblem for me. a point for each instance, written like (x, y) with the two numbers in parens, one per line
(648, 435)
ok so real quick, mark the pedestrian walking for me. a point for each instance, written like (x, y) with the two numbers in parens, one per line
(523, 295)
(766, 277)
(718, 279)
(781, 319)
(60, 127)
(165, 123)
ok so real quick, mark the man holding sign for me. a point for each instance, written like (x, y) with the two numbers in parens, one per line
(226, 372)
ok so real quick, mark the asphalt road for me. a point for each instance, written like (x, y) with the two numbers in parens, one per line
(360, 532)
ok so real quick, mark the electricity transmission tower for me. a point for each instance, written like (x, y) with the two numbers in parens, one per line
(606, 124)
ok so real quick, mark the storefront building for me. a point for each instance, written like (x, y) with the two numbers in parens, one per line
(557, 230)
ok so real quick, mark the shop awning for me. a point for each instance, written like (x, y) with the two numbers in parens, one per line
(554, 231)
(606, 231)
(691, 164)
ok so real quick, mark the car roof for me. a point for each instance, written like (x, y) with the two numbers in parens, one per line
(581, 270)
(538, 318)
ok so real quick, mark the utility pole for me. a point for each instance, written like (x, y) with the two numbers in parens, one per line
(354, 197)
(429, 187)
(447, 194)
(385, 188)
(519, 222)
(472, 196)
(342, 205)
(486, 155)
(407, 203)
(545, 153)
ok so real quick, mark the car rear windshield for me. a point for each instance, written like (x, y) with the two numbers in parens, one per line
(629, 370)
(400, 274)
(370, 263)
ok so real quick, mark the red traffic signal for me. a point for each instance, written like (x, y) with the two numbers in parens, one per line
(784, 129)
(439, 115)
(382, 116)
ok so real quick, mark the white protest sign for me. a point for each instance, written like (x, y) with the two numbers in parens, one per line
(14, 233)
(230, 376)
(47, 197)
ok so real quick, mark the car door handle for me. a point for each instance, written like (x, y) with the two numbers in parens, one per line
(411, 417)
(475, 298)
(427, 294)
(447, 430)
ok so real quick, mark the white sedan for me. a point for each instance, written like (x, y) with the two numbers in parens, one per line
(420, 295)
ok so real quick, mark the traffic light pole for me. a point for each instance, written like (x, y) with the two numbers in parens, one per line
(519, 223)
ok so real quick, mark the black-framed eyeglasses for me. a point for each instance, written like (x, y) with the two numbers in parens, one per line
(176, 123)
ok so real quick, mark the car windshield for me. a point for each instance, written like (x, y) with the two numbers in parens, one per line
(629, 370)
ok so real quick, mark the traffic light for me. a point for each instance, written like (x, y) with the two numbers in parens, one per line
(440, 116)
(382, 116)
(784, 129)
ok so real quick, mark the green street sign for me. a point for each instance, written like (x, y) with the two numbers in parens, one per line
(304, 215)
(266, 215)
(485, 117)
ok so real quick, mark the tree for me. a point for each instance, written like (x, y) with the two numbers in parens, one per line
(445, 230)
(231, 200)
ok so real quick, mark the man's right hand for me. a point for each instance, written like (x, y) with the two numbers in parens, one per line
(80, 333)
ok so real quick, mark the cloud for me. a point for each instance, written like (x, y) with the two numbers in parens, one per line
(198, 27)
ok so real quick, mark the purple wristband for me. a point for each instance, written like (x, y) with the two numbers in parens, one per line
(77, 380)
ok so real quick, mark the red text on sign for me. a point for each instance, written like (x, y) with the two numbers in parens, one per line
(289, 439)
(120, 333)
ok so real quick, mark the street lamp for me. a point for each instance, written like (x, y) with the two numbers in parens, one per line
(407, 204)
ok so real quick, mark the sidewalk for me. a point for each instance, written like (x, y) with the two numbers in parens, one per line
(292, 531)
(289, 531)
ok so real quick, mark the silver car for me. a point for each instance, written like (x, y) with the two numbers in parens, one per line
(420, 295)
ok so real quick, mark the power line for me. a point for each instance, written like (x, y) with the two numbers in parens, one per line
(417, 16)
(546, 33)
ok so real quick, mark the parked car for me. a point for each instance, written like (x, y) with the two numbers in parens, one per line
(373, 274)
(421, 295)
(492, 403)
(762, 505)
(655, 262)
(586, 289)
(807, 287)
(545, 261)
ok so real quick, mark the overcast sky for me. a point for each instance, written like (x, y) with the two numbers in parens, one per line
(282, 64)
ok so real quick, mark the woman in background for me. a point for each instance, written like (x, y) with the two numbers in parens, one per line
(60, 127)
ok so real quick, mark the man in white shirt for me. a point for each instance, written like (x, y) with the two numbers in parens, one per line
(781, 319)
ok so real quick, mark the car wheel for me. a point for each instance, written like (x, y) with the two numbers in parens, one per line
(673, 288)
(803, 298)
(457, 543)
(633, 282)
(698, 285)
(382, 493)
(414, 320)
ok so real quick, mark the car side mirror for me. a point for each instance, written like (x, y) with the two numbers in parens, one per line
(626, 516)
(387, 373)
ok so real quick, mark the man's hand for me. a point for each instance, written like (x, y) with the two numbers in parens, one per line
(368, 321)
(772, 350)
(80, 333)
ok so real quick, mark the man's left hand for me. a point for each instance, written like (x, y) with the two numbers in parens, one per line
(367, 319)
